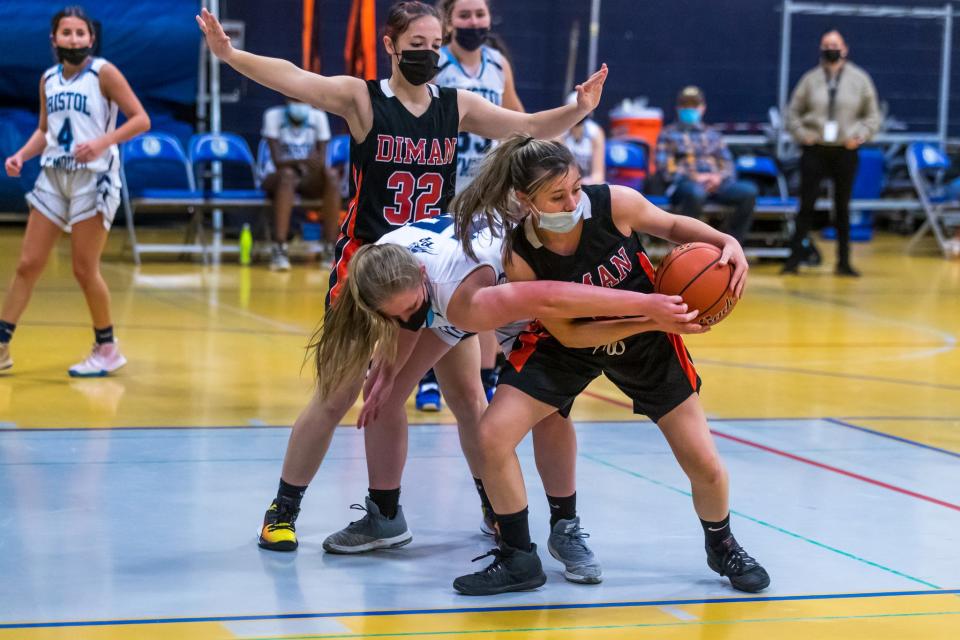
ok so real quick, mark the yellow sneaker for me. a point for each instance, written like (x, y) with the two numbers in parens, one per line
(278, 532)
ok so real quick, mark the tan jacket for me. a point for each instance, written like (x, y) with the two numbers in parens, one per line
(855, 110)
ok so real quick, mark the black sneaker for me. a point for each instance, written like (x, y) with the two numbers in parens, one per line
(278, 532)
(511, 570)
(733, 561)
(844, 269)
(812, 257)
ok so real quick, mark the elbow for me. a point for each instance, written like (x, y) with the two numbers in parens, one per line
(145, 123)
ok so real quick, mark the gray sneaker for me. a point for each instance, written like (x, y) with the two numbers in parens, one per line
(5, 360)
(567, 544)
(372, 531)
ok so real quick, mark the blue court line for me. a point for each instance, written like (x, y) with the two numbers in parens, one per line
(792, 534)
(505, 608)
(848, 425)
(830, 374)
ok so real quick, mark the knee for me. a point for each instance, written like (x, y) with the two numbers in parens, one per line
(289, 177)
(29, 268)
(492, 449)
(85, 271)
(708, 470)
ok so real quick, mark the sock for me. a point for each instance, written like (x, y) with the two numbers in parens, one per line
(6, 331)
(716, 532)
(488, 377)
(562, 508)
(515, 530)
(291, 493)
(387, 500)
(429, 378)
(484, 500)
(103, 336)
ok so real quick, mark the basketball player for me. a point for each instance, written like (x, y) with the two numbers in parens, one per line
(78, 190)
(468, 62)
(403, 156)
(557, 229)
(416, 293)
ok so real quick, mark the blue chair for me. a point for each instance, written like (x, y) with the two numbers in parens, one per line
(236, 160)
(156, 175)
(763, 172)
(627, 163)
(338, 150)
(927, 164)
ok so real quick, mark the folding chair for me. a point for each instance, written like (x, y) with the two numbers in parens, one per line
(155, 175)
(927, 165)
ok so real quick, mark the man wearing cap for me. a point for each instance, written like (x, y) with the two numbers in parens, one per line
(698, 168)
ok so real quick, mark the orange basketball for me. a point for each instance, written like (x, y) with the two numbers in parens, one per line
(691, 271)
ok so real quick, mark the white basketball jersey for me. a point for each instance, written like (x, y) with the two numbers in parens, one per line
(296, 141)
(77, 111)
(488, 84)
(582, 149)
(433, 243)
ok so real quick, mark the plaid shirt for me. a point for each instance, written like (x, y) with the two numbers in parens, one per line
(685, 149)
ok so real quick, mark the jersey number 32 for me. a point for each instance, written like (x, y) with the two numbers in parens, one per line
(414, 198)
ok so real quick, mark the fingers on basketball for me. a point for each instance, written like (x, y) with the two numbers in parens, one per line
(693, 271)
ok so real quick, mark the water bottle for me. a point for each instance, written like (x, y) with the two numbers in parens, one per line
(246, 244)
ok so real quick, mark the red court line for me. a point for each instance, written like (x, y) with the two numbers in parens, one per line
(792, 456)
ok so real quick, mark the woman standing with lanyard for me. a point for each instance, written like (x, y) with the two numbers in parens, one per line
(832, 112)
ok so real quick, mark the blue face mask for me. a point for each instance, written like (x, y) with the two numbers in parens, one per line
(298, 112)
(689, 115)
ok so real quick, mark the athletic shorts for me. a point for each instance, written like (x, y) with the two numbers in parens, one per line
(343, 251)
(69, 197)
(653, 369)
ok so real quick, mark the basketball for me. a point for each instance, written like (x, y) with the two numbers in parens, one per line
(692, 271)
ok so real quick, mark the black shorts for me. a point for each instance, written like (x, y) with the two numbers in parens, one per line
(344, 250)
(653, 369)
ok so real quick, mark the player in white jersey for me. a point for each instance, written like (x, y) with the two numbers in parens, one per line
(418, 277)
(468, 62)
(78, 189)
(587, 143)
(297, 135)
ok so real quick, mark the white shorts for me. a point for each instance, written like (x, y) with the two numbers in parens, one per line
(69, 197)
(451, 335)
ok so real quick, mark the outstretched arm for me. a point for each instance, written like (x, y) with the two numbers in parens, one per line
(342, 95)
(484, 118)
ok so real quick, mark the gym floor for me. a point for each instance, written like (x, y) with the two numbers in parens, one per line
(132, 502)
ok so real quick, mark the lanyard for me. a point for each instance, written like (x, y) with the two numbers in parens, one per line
(832, 84)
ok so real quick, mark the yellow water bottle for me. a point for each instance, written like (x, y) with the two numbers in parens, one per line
(246, 244)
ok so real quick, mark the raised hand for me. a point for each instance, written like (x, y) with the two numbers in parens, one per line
(588, 93)
(217, 40)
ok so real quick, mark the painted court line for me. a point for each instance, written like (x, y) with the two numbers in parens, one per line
(768, 525)
(531, 607)
(848, 425)
(796, 458)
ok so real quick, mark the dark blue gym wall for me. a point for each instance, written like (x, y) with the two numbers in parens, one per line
(653, 47)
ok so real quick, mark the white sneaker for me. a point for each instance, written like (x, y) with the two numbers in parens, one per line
(5, 360)
(279, 261)
(105, 358)
(952, 246)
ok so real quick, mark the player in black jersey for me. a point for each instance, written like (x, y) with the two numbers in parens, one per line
(403, 161)
(590, 235)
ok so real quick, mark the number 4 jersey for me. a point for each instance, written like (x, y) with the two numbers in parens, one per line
(77, 112)
(405, 169)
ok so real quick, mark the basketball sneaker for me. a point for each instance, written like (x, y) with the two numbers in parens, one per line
(567, 544)
(372, 531)
(279, 260)
(732, 560)
(428, 397)
(105, 358)
(279, 532)
(5, 360)
(511, 570)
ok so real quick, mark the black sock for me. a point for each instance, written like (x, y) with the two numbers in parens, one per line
(6, 331)
(103, 336)
(488, 377)
(716, 532)
(562, 508)
(515, 530)
(291, 493)
(484, 500)
(387, 500)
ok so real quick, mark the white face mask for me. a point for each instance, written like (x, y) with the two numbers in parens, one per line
(559, 221)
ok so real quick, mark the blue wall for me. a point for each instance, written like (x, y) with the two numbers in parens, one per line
(653, 47)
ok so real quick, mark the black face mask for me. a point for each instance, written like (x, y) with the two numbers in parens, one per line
(73, 56)
(470, 38)
(830, 55)
(418, 317)
(418, 66)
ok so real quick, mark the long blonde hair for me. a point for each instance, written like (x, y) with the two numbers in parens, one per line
(353, 327)
(520, 163)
